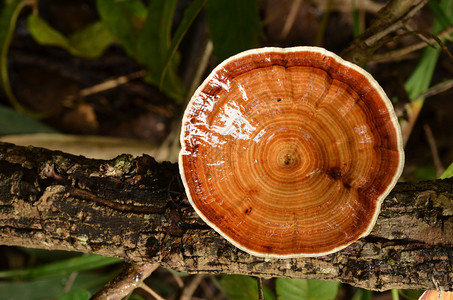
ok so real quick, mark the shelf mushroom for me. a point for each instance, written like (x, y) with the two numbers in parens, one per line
(435, 295)
(289, 152)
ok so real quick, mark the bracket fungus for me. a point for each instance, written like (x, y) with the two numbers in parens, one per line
(289, 152)
(435, 295)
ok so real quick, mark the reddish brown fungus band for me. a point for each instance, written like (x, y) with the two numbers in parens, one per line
(289, 152)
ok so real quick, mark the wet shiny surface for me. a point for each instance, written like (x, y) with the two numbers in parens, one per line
(435, 295)
(289, 153)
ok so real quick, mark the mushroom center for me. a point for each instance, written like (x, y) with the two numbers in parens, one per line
(289, 157)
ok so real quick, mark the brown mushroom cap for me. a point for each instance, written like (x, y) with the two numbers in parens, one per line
(289, 152)
(435, 295)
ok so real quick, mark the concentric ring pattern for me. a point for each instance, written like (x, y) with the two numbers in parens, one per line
(289, 152)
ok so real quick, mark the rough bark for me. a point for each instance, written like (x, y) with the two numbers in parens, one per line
(135, 208)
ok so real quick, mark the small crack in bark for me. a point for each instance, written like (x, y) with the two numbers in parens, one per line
(89, 196)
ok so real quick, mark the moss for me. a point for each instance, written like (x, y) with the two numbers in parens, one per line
(122, 163)
(83, 239)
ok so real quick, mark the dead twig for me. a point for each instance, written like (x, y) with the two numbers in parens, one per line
(178, 280)
(72, 277)
(433, 146)
(398, 10)
(396, 54)
(130, 278)
(389, 19)
(437, 89)
(290, 19)
(190, 288)
(413, 108)
(260, 289)
(111, 83)
(151, 292)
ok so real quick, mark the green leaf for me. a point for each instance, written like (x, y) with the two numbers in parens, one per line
(306, 289)
(79, 263)
(234, 26)
(44, 34)
(154, 46)
(425, 173)
(35, 289)
(395, 294)
(447, 173)
(189, 16)
(145, 33)
(411, 294)
(240, 287)
(8, 16)
(355, 19)
(90, 41)
(76, 295)
(362, 294)
(125, 20)
(420, 79)
(51, 287)
(441, 17)
(14, 122)
(155, 38)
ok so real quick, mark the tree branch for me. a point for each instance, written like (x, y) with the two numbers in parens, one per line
(389, 19)
(136, 209)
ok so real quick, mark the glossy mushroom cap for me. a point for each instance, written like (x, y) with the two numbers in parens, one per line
(289, 152)
(435, 295)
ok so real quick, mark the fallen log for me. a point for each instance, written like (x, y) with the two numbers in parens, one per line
(136, 209)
